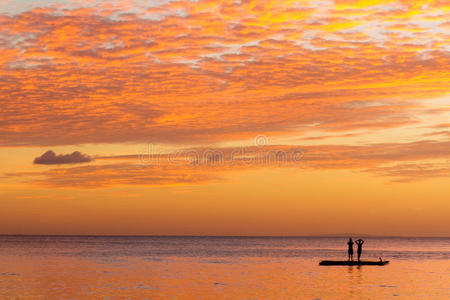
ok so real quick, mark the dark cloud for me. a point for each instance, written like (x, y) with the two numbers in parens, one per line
(50, 158)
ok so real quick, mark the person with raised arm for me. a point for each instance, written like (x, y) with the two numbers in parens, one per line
(359, 243)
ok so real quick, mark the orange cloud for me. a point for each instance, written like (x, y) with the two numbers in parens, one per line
(413, 171)
(397, 161)
(190, 72)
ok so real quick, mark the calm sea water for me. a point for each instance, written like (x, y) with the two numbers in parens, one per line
(62, 267)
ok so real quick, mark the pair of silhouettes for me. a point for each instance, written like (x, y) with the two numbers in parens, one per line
(350, 243)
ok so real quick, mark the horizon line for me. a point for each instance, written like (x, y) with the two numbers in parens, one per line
(228, 236)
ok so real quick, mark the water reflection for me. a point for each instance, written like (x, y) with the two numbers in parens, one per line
(101, 268)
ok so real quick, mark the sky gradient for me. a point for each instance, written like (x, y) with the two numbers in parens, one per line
(225, 117)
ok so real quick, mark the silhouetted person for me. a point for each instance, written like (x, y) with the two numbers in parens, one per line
(359, 243)
(350, 249)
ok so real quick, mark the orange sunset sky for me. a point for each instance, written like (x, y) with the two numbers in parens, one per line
(232, 117)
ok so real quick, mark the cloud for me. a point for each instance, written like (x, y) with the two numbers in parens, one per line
(413, 171)
(203, 71)
(399, 162)
(50, 158)
(129, 174)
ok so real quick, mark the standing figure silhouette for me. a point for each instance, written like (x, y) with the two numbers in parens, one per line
(359, 243)
(350, 249)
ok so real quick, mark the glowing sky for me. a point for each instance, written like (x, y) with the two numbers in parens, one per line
(225, 117)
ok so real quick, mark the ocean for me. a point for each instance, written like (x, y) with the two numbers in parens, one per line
(125, 267)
